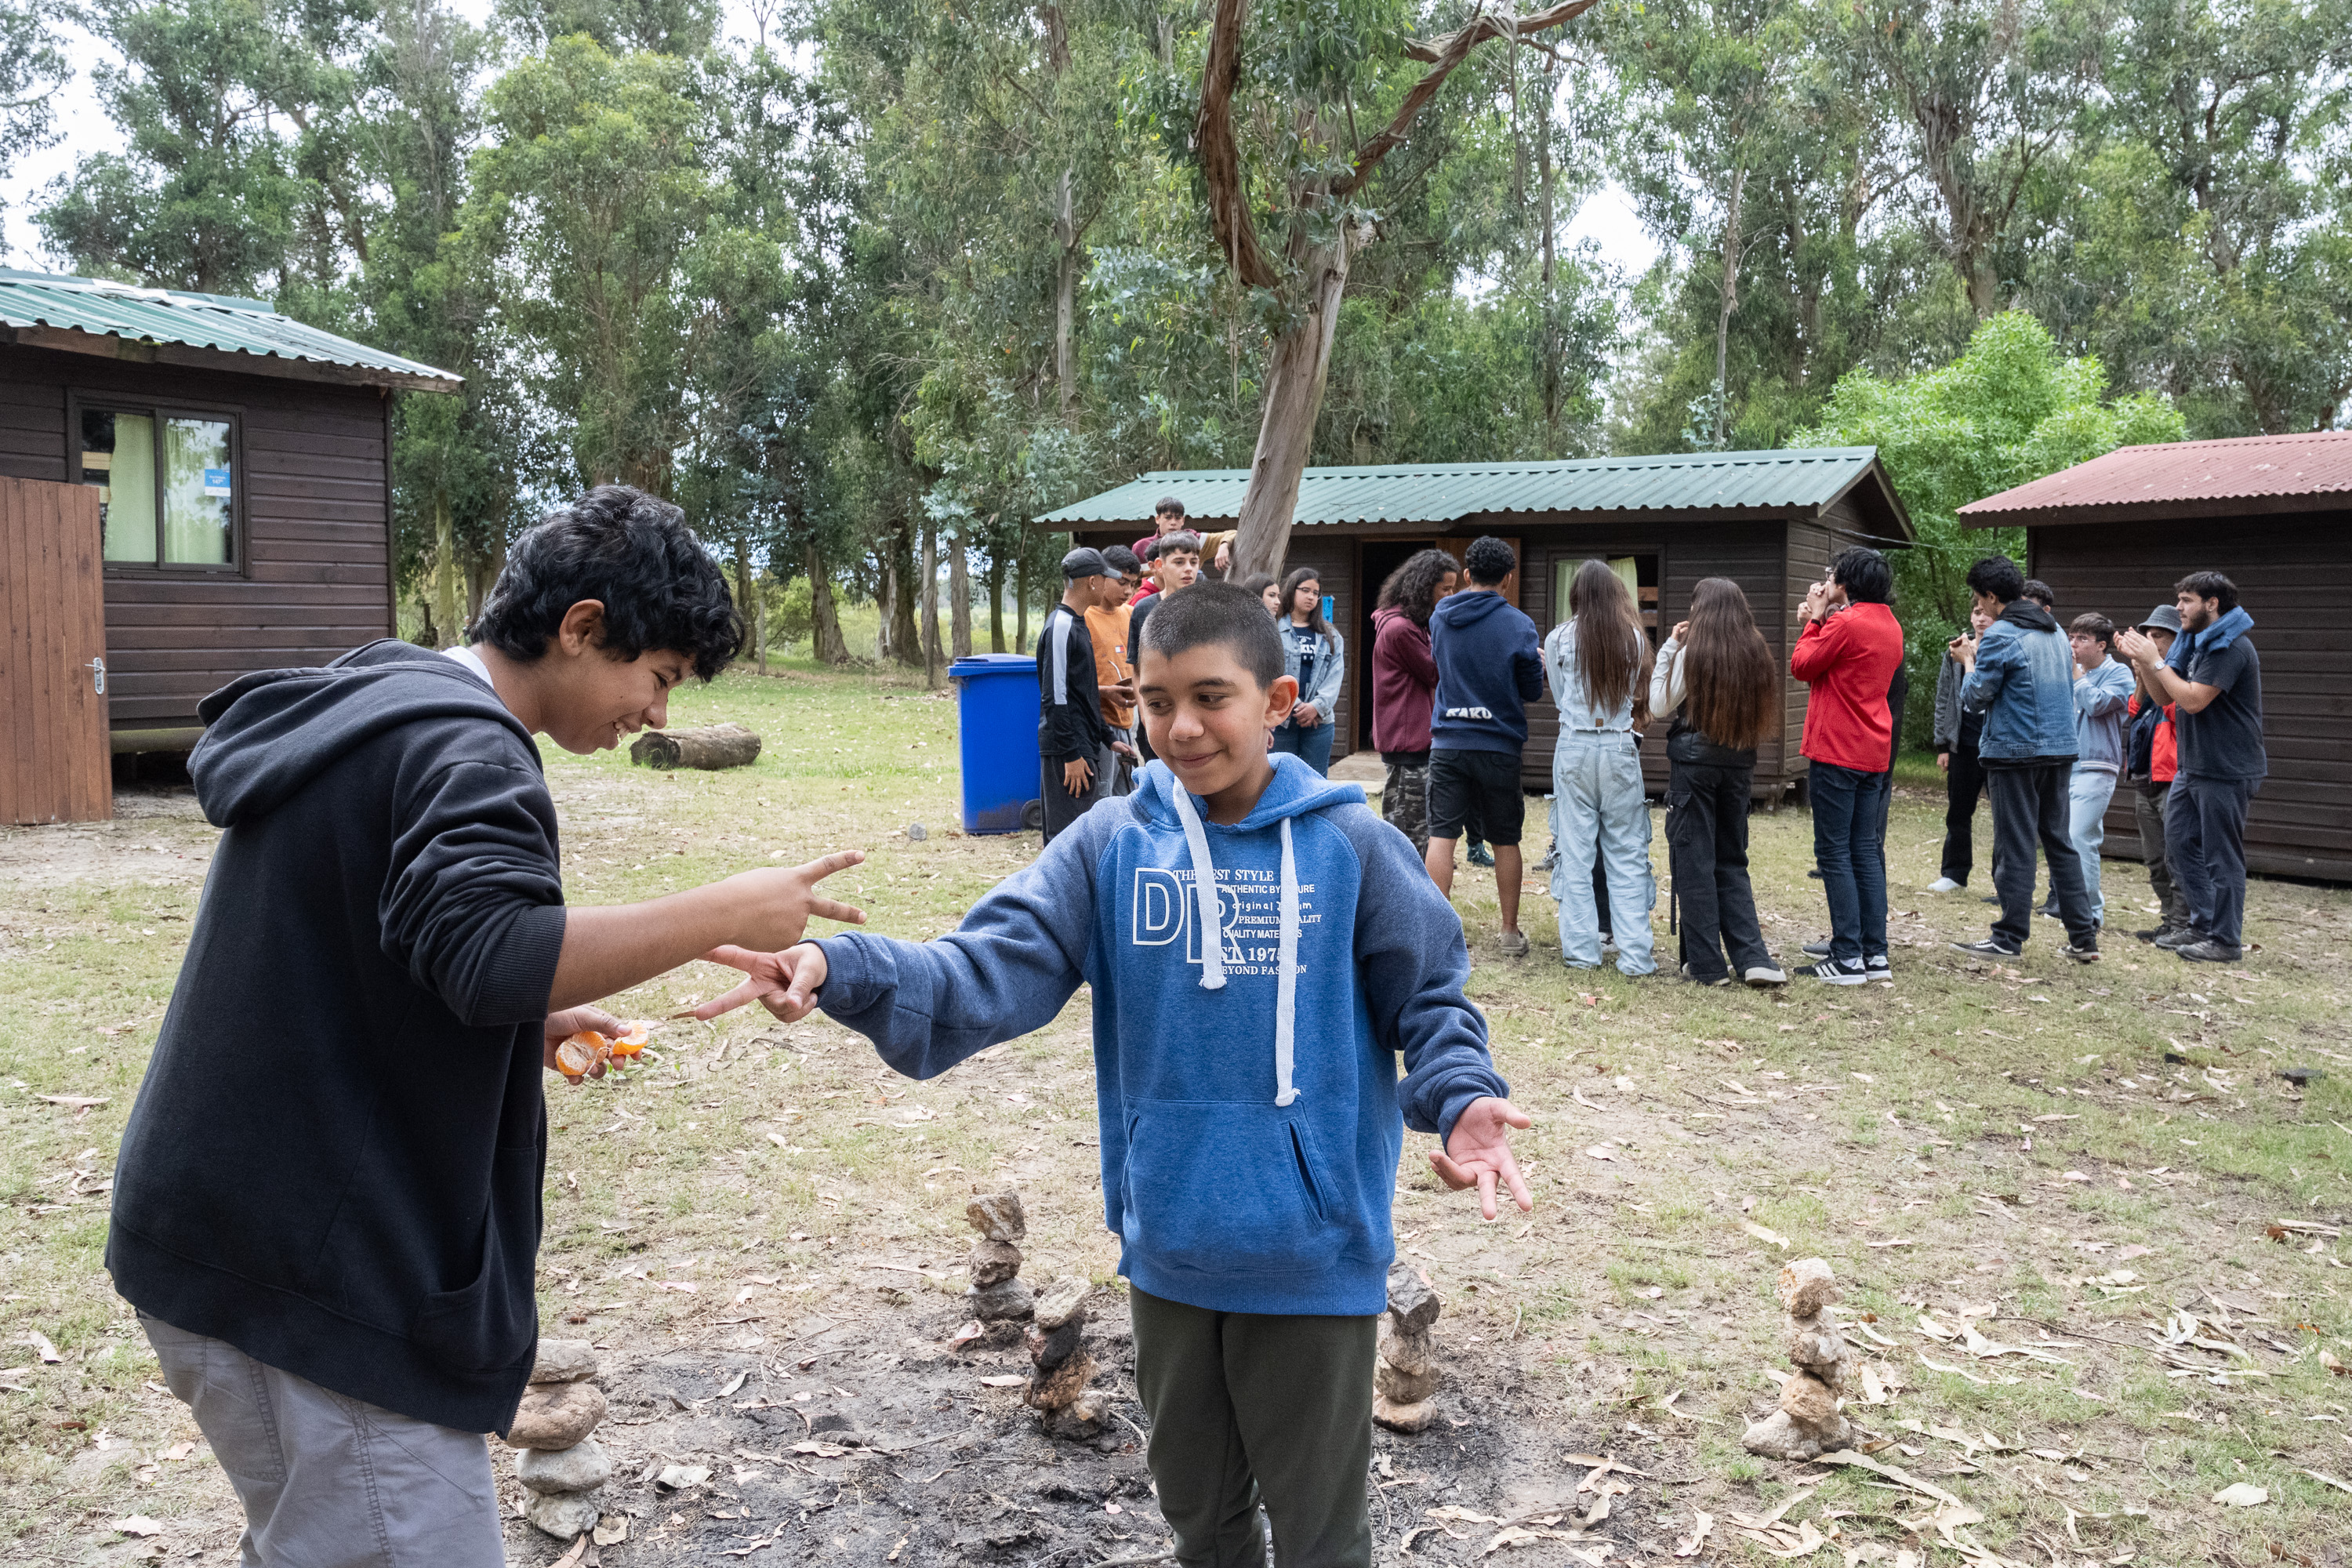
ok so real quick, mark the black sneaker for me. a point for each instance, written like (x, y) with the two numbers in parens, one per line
(1876, 963)
(2177, 938)
(2157, 933)
(1989, 947)
(1817, 949)
(2049, 911)
(2083, 951)
(1696, 979)
(1837, 972)
(1481, 855)
(1990, 898)
(2207, 950)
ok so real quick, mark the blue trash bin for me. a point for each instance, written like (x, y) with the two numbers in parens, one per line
(996, 742)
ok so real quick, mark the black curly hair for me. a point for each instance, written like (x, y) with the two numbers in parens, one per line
(636, 556)
(1412, 588)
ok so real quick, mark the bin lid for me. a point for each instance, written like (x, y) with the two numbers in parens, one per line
(993, 664)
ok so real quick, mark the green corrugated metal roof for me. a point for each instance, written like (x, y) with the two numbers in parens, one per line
(206, 321)
(1802, 478)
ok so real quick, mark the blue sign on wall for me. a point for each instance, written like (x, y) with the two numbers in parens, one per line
(216, 483)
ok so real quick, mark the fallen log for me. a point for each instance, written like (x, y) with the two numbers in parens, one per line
(717, 746)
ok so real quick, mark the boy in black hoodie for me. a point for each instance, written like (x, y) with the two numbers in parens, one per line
(327, 1205)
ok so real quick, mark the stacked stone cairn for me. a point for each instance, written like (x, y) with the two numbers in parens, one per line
(1058, 1388)
(998, 1293)
(1405, 1375)
(1808, 1423)
(559, 1463)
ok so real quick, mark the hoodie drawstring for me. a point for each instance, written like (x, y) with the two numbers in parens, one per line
(1213, 937)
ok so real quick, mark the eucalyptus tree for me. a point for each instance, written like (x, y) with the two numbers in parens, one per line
(33, 68)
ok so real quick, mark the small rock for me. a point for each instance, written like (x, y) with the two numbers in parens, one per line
(1403, 1417)
(917, 832)
(1065, 1301)
(1408, 1352)
(1778, 1436)
(563, 1360)
(1811, 1404)
(1399, 1386)
(556, 1416)
(1411, 1302)
(582, 1468)
(1806, 1286)
(1080, 1421)
(1054, 1388)
(998, 1217)
(992, 1261)
(1815, 1344)
(564, 1515)
(1005, 1299)
(1051, 1348)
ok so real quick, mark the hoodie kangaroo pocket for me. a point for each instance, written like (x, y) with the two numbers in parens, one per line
(1225, 1187)
(489, 1322)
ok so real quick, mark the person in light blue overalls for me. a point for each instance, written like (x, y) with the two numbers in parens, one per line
(1314, 656)
(1597, 662)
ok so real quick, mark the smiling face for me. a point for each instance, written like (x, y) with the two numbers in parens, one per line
(589, 699)
(1208, 719)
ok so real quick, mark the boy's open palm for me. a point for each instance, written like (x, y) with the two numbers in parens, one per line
(1478, 1154)
(785, 983)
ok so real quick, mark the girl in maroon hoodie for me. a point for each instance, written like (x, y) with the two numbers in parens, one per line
(1405, 684)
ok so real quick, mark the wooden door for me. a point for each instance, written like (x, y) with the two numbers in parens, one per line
(1457, 545)
(53, 618)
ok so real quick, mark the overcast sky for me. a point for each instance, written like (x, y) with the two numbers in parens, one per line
(1607, 219)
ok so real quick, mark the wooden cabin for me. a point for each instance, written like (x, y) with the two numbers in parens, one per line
(233, 469)
(2273, 514)
(1769, 521)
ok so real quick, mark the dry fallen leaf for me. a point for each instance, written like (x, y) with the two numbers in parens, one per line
(1601, 1151)
(41, 1346)
(1765, 1233)
(137, 1524)
(1688, 1545)
(612, 1529)
(2242, 1494)
(1008, 1380)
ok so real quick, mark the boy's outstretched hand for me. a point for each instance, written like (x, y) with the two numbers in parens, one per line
(1478, 1154)
(785, 983)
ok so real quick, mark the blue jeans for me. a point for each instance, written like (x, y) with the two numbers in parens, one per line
(2087, 793)
(1853, 859)
(2205, 841)
(1598, 807)
(1312, 747)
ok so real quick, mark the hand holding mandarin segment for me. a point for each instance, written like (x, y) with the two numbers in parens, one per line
(1478, 1154)
(785, 983)
(560, 1027)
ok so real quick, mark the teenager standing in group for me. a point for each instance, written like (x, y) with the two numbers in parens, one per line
(2022, 679)
(2154, 747)
(1313, 655)
(1956, 737)
(1716, 679)
(2213, 678)
(1268, 591)
(1847, 654)
(1107, 628)
(1176, 564)
(1075, 762)
(1489, 668)
(1599, 666)
(1167, 518)
(1404, 683)
(2103, 688)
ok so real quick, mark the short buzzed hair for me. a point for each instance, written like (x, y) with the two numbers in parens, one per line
(1222, 612)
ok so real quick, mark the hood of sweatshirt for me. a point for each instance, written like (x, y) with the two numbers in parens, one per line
(269, 733)
(1459, 612)
(1294, 790)
(2027, 616)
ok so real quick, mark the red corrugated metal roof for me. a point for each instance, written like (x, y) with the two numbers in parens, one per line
(2257, 469)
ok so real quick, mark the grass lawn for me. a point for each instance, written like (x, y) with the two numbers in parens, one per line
(1995, 1160)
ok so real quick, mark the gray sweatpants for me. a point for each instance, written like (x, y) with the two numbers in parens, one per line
(329, 1481)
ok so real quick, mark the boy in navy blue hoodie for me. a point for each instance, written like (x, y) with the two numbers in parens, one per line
(1251, 1108)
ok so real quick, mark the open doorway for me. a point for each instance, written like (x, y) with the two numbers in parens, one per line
(1380, 557)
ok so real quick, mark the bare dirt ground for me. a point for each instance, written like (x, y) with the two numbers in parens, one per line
(2089, 1236)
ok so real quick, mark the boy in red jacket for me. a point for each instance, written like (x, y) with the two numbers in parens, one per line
(1848, 653)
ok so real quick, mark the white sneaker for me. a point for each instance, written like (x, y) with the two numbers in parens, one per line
(1765, 974)
(1945, 885)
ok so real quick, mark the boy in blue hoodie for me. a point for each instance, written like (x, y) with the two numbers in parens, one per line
(1251, 1108)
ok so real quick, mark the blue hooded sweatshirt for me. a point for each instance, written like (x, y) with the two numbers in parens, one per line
(1489, 668)
(1251, 1109)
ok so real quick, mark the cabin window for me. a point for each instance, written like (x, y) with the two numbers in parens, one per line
(1640, 574)
(167, 485)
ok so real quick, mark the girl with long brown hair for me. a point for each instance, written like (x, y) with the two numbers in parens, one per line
(1598, 663)
(1722, 686)
(1405, 682)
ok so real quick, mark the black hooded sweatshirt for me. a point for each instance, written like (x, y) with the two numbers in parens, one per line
(334, 1162)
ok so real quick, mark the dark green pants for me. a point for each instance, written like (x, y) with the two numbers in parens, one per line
(1251, 1409)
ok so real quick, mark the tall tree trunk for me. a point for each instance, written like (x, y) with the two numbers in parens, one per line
(746, 602)
(1550, 378)
(931, 605)
(906, 642)
(1066, 298)
(825, 618)
(1021, 602)
(445, 571)
(886, 604)
(995, 600)
(959, 600)
(1293, 394)
(1727, 302)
